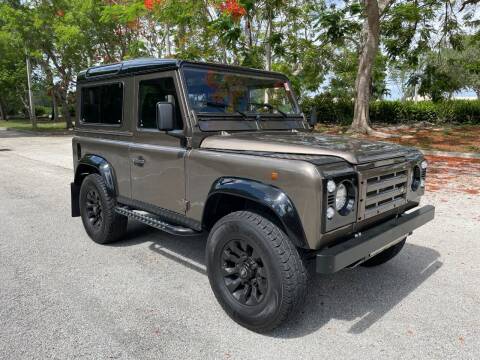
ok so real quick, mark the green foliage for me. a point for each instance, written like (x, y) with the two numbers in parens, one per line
(449, 70)
(329, 109)
(344, 72)
(315, 42)
(334, 111)
(13, 80)
(42, 110)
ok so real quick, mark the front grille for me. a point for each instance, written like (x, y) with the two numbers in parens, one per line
(384, 191)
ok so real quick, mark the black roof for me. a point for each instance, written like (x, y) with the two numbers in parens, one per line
(145, 65)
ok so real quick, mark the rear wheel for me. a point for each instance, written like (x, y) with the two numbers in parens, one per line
(385, 255)
(97, 209)
(255, 271)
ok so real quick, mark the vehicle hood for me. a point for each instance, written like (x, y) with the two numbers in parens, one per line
(355, 151)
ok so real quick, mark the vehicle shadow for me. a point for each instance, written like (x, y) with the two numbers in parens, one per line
(361, 295)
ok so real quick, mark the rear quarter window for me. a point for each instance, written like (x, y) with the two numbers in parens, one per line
(102, 104)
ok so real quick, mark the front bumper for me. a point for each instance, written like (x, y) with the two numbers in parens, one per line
(371, 241)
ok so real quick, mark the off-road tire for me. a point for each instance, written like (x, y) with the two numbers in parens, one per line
(113, 225)
(385, 255)
(285, 274)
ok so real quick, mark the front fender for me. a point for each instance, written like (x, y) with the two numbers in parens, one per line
(267, 195)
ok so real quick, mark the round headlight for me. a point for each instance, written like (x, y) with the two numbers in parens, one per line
(341, 198)
(330, 212)
(331, 186)
(424, 164)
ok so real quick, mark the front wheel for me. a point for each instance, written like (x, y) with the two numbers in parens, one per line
(254, 270)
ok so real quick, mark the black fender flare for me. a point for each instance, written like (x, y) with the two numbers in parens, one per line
(264, 194)
(91, 164)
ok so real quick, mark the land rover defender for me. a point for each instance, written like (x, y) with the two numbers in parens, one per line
(190, 148)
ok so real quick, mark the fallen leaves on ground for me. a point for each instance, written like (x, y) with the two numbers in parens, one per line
(464, 138)
(453, 174)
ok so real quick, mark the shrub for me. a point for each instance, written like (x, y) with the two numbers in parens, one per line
(41, 110)
(330, 110)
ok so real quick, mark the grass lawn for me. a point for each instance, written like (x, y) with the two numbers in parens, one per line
(460, 138)
(42, 125)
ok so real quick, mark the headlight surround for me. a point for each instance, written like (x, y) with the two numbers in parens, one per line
(416, 178)
(345, 197)
(339, 206)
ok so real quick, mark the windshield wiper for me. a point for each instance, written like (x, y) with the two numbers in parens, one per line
(216, 104)
(271, 107)
(225, 106)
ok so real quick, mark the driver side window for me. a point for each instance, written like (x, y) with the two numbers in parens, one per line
(150, 93)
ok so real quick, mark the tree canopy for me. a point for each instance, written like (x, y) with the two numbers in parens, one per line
(320, 44)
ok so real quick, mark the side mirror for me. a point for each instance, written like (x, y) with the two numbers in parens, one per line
(165, 116)
(313, 117)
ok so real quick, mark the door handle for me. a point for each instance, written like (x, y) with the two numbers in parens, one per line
(140, 161)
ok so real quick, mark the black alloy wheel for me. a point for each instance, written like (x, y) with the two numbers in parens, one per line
(97, 209)
(94, 208)
(255, 272)
(245, 275)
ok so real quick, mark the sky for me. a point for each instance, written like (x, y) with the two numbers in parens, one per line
(396, 92)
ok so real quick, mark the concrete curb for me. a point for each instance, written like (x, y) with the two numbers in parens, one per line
(451, 154)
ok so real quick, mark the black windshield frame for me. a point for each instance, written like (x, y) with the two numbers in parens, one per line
(275, 114)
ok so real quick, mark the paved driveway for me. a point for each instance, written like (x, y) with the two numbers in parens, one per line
(62, 296)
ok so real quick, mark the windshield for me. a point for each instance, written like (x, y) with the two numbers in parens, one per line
(226, 93)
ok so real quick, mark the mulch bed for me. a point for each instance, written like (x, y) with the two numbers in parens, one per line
(457, 175)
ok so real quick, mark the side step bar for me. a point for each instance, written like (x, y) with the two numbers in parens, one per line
(154, 221)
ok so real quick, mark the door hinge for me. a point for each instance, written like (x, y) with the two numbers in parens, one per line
(188, 144)
(186, 205)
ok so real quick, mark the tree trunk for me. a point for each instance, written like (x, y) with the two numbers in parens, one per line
(167, 41)
(268, 45)
(31, 106)
(26, 106)
(54, 105)
(65, 113)
(268, 52)
(3, 115)
(371, 36)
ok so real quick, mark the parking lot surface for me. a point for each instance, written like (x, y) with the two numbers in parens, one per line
(147, 297)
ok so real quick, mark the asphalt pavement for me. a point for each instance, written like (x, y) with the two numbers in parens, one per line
(147, 297)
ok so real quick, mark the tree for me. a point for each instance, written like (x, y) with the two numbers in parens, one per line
(13, 75)
(402, 30)
(449, 70)
(374, 9)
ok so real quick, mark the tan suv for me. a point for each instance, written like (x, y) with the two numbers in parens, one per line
(190, 147)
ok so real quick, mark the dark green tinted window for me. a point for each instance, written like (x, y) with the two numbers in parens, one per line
(102, 104)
